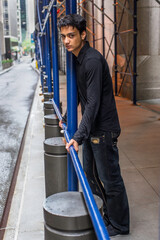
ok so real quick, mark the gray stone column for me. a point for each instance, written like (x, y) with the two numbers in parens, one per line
(148, 60)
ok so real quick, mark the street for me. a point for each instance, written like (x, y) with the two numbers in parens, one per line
(17, 89)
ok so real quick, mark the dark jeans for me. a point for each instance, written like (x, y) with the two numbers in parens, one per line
(101, 165)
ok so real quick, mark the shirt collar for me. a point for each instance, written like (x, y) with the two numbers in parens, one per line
(82, 52)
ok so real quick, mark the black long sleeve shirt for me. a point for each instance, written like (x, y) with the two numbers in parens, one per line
(96, 97)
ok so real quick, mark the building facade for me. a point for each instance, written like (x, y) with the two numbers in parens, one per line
(23, 19)
(19, 32)
(2, 41)
(30, 9)
(10, 26)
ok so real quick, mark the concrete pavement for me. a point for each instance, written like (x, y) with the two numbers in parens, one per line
(17, 88)
(140, 164)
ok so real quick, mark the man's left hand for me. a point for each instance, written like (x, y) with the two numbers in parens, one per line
(74, 143)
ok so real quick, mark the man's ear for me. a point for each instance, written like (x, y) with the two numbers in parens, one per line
(83, 35)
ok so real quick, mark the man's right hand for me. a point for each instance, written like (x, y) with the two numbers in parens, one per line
(60, 123)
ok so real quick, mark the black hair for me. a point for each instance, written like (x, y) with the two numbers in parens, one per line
(74, 20)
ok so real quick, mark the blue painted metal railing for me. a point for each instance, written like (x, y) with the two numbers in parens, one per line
(95, 215)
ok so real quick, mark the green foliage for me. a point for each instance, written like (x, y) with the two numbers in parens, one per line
(27, 45)
(7, 61)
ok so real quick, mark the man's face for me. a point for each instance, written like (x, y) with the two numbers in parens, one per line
(72, 39)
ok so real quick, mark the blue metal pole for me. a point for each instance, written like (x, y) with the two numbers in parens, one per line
(44, 45)
(48, 59)
(115, 45)
(135, 53)
(71, 103)
(41, 61)
(55, 54)
(39, 15)
(39, 39)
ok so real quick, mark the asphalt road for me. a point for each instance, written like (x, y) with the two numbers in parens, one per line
(17, 89)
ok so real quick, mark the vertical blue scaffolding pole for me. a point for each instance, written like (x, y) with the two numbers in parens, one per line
(71, 103)
(55, 54)
(103, 28)
(44, 70)
(115, 44)
(45, 45)
(41, 68)
(93, 27)
(43, 54)
(41, 37)
(47, 51)
(135, 52)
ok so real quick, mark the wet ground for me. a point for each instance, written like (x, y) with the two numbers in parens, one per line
(17, 89)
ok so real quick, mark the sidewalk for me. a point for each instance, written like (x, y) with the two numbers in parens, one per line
(140, 163)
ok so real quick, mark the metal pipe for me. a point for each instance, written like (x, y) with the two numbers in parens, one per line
(39, 18)
(71, 103)
(86, 11)
(93, 28)
(115, 45)
(103, 38)
(135, 52)
(99, 9)
(48, 58)
(47, 14)
(96, 217)
(124, 7)
(55, 54)
(39, 43)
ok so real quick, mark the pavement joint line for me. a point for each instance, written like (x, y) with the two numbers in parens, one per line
(7, 228)
(24, 188)
(138, 169)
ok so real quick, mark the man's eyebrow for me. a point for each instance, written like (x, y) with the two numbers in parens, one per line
(67, 33)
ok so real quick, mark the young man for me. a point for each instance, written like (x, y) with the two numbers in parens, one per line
(99, 127)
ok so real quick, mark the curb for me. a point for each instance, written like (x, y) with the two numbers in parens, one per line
(6, 70)
(35, 69)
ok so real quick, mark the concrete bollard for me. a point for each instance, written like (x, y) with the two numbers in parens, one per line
(67, 218)
(55, 164)
(47, 96)
(48, 108)
(52, 128)
(45, 89)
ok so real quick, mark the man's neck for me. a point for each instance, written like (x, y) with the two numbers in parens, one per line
(76, 53)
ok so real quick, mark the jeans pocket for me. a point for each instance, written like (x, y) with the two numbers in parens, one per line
(97, 139)
(115, 136)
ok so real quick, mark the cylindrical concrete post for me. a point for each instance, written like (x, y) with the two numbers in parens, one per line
(67, 218)
(48, 108)
(55, 163)
(47, 96)
(45, 88)
(52, 128)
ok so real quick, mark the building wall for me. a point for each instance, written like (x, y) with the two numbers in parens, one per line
(148, 81)
(2, 42)
(6, 17)
(12, 10)
(23, 19)
(30, 13)
(19, 32)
